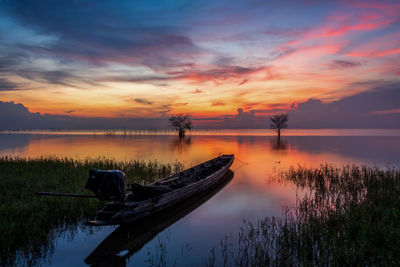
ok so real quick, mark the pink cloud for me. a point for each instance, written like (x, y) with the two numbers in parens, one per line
(341, 24)
(372, 53)
(388, 52)
(327, 38)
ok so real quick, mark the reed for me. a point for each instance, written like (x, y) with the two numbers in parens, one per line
(30, 224)
(350, 216)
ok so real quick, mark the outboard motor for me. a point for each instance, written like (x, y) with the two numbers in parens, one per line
(107, 185)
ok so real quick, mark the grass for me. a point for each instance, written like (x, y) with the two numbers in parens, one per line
(350, 216)
(30, 224)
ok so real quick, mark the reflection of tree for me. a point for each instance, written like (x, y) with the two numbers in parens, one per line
(182, 143)
(278, 144)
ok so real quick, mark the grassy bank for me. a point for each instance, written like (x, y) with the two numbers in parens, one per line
(29, 224)
(349, 217)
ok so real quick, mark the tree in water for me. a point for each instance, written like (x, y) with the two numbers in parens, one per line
(181, 123)
(279, 122)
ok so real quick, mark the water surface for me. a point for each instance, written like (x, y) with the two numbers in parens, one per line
(250, 195)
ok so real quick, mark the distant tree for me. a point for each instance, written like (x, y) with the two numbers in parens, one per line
(181, 123)
(279, 122)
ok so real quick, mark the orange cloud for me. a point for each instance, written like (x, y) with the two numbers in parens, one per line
(218, 103)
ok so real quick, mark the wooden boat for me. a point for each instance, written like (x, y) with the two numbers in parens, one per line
(155, 197)
(127, 239)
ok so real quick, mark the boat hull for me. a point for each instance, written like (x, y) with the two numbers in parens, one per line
(133, 211)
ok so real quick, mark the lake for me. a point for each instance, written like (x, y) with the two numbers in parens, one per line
(250, 195)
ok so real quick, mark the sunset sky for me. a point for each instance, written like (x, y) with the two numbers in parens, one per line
(210, 59)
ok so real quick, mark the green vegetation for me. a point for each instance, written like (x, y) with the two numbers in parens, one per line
(29, 224)
(350, 216)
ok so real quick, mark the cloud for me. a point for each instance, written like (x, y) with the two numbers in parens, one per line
(343, 64)
(58, 77)
(375, 53)
(218, 103)
(128, 35)
(244, 81)
(243, 119)
(376, 108)
(390, 111)
(143, 101)
(287, 32)
(200, 74)
(6, 85)
(17, 116)
(354, 18)
(226, 74)
(197, 91)
(362, 110)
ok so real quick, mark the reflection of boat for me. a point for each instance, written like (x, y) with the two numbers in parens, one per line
(155, 197)
(130, 238)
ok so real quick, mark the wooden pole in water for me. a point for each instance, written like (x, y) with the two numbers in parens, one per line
(63, 195)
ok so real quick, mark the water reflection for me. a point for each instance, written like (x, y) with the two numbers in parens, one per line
(121, 244)
(181, 143)
(195, 149)
(249, 196)
(279, 144)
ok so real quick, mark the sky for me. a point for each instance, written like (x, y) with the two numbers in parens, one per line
(229, 64)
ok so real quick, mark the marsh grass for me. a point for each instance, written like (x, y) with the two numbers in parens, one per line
(350, 216)
(29, 224)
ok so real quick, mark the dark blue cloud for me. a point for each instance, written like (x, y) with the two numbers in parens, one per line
(356, 111)
(17, 116)
(106, 31)
(6, 85)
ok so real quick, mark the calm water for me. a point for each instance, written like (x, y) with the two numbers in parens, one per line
(248, 195)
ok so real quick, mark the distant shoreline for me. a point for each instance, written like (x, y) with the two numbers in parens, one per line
(210, 132)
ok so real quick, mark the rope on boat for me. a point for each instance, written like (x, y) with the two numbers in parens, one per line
(244, 164)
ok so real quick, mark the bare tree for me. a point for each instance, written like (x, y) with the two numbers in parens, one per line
(279, 122)
(181, 123)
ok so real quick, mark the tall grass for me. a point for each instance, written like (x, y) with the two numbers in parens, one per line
(350, 216)
(29, 224)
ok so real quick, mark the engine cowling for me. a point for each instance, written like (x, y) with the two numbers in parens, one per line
(108, 185)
